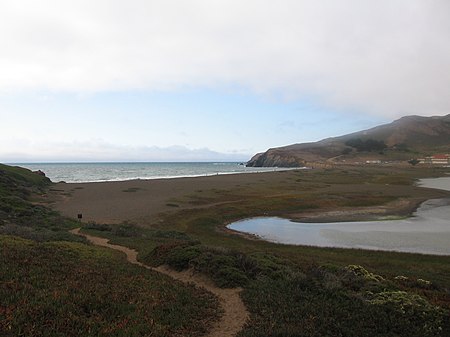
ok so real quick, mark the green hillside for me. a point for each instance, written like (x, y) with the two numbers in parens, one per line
(53, 283)
(405, 138)
(21, 215)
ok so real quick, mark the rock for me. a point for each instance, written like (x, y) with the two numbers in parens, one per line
(39, 172)
(275, 158)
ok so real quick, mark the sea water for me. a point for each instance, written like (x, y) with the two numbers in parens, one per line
(96, 172)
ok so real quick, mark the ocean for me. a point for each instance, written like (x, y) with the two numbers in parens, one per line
(97, 172)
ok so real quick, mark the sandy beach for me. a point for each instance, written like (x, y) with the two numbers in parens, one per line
(140, 201)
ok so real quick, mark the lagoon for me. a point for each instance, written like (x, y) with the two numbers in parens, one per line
(427, 231)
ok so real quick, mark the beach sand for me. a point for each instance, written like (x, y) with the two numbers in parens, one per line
(141, 201)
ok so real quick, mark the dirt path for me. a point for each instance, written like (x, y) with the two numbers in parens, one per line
(235, 313)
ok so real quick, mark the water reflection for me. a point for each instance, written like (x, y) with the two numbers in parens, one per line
(428, 231)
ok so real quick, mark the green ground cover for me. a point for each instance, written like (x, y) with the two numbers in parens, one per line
(21, 215)
(73, 289)
(52, 283)
(307, 291)
(298, 290)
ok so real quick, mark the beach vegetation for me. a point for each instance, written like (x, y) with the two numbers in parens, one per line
(74, 289)
(22, 215)
(285, 299)
(288, 290)
(52, 283)
(131, 189)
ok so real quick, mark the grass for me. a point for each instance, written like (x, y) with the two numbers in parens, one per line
(286, 299)
(336, 303)
(20, 216)
(53, 284)
(299, 290)
(68, 289)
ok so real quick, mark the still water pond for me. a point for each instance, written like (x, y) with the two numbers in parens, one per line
(428, 231)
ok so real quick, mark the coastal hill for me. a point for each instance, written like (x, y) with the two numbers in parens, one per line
(406, 138)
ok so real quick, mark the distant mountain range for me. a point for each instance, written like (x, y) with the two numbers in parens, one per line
(406, 138)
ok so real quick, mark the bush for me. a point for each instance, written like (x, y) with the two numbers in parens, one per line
(180, 257)
(230, 277)
(366, 145)
(126, 230)
(324, 302)
(39, 234)
(410, 312)
(360, 271)
(98, 227)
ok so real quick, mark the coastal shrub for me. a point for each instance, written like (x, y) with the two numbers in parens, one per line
(72, 289)
(230, 277)
(174, 235)
(412, 312)
(39, 234)
(423, 283)
(126, 230)
(180, 257)
(360, 271)
(320, 303)
(158, 255)
(356, 278)
(419, 283)
(227, 268)
(368, 145)
(269, 265)
(98, 227)
(401, 278)
(346, 150)
(20, 217)
(299, 306)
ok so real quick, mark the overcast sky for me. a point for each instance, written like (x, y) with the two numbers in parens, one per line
(146, 80)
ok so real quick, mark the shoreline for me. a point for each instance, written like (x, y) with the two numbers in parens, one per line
(401, 208)
(142, 201)
(337, 216)
(113, 172)
(180, 176)
(397, 210)
(421, 244)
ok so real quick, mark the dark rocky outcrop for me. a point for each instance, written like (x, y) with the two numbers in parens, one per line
(39, 172)
(276, 158)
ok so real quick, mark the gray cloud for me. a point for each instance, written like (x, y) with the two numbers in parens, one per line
(389, 57)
